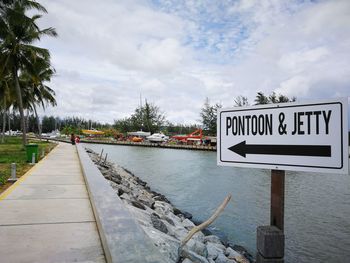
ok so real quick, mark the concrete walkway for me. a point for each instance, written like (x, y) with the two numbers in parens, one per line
(47, 215)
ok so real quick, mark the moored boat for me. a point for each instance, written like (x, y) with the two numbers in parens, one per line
(157, 137)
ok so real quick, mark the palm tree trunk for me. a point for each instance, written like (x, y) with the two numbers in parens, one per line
(20, 105)
(3, 122)
(9, 122)
(27, 121)
(37, 120)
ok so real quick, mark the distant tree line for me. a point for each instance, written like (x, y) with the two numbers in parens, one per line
(209, 112)
(50, 123)
(152, 122)
(147, 118)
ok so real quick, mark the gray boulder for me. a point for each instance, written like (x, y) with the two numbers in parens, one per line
(158, 224)
(178, 232)
(125, 196)
(162, 207)
(214, 250)
(138, 205)
(176, 220)
(166, 244)
(223, 259)
(231, 253)
(188, 224)
(193, 256)
(142, 216)
(197, 247)
(212, 239)
(199, 236)
(146, 199)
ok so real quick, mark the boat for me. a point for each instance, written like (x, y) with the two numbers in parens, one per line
(54, 134)
(92, 132)
(136, 139)
(197, 134)
(157, 137)
(139, 134)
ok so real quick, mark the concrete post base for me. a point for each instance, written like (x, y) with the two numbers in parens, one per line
(261, 259)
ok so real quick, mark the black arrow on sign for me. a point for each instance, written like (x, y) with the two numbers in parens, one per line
(298, 150)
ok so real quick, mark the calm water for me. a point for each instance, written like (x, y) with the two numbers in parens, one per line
(317, 206)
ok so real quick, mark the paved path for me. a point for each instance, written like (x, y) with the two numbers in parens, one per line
(47, 215)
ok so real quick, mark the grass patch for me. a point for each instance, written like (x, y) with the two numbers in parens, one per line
(12, 151)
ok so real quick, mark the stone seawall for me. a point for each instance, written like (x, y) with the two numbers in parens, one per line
(165, 224)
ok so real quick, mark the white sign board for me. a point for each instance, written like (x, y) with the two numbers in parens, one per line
(287, 136)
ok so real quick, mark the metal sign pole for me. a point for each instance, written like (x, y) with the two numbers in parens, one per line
(270, 239)
(277, 199)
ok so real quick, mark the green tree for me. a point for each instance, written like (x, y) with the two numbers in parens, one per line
(17, 33)
(123, 125)
(6, 99)
(48, 124)
(209, 116)
(147, 118)
(261, 99)
(282, 99)
(36, 90)
(272, 98)
(153, 118)
(241, 101)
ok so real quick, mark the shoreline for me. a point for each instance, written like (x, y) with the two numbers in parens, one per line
(144, 144)
(165, 224)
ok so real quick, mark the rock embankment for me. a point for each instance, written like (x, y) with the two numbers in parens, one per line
(165, 224)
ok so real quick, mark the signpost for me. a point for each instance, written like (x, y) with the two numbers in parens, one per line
(298, 137)
(309, 137)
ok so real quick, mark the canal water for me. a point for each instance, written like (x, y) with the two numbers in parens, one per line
(317, 206)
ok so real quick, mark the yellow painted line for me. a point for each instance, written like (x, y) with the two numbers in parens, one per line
(23, 177)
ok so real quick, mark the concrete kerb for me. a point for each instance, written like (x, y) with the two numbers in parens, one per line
(123, 239)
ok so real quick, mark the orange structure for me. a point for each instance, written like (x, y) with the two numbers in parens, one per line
(136, 139)
(92, 132)
(197, 134)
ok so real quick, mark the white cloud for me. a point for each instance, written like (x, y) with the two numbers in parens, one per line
(299, 60)
(177, 53)
(296, 85)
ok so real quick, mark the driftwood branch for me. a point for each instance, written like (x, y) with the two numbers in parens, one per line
(206, 223)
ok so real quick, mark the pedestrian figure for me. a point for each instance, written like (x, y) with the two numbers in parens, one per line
(77, 139)
(72, 138)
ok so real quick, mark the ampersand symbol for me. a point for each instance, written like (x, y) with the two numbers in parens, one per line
(282, 128)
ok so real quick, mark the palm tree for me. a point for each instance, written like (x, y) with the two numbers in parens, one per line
(261, 99)
(4, 102)
(241, 101)
(17, 32)
(36, 90)
(7, 98)
(273, 98)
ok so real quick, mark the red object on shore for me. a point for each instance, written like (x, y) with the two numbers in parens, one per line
(197, 134)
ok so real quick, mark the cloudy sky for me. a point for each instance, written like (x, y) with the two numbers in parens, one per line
(176, 53)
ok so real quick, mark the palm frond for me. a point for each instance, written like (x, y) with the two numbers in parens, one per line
(31, 4)
(49, 32)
